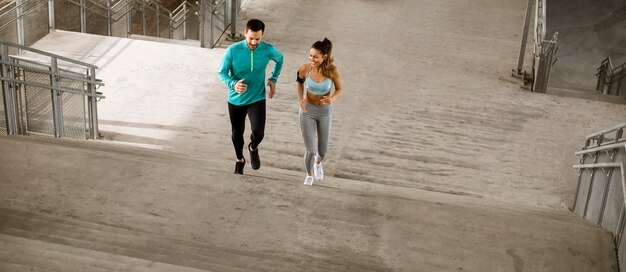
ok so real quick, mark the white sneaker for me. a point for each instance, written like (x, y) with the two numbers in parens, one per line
(308, 180)
(318, 171)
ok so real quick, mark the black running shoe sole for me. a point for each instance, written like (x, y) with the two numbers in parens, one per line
(255, 161)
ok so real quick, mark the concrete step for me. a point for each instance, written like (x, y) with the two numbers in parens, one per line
(134, 207)
(24, 254)
(63, 240)
(587, 95)
(194, 43)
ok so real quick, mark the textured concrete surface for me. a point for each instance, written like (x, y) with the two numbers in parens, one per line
(439, 161)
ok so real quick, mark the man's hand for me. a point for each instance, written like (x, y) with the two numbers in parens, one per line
(240, 87)
(272, 86)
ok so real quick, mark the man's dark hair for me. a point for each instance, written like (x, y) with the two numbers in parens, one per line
(255, 25)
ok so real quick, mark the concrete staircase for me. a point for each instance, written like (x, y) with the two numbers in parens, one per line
(121, 208)
(426, 173)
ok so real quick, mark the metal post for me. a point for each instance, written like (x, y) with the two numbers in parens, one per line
(83, 17)
(225, 15)
(158, 24)
(184, 22)
(202, 23)
(143, 16)
(620, 226)
(601, 78)
(109, 19)
(621, 77)
(605, 196)
(93, 107)
(19, 9)
(170, 28)
(129, 17)
(51, 23)
(9, 94)
(580, 176)
(522, 50)
(57, 111)
(212, 25)
(591, 182)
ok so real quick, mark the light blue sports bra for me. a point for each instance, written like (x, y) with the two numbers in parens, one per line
(317, 88)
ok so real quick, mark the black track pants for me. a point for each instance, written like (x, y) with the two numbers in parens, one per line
(256, 114)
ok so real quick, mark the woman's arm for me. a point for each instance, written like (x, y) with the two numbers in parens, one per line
(336, 77)
(300, 80)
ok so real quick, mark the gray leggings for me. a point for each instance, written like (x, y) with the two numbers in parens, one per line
(315, 125)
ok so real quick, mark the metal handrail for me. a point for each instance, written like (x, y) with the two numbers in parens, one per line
(115, 12)
(600, 148)
(218, 4)
(605, 131)
(599, 136)
(77, 77)
(177, 21)
(608, 75)
(48, 54)
(12, 11)
(115, 9)
(183, 4)
(119, 5)
(4, 7)
(606, 63)
(12, 67)
(44, 86)
(90, 9)
(604, 75)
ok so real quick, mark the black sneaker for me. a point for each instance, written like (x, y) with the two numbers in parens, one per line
(254, 158)
(239, 166)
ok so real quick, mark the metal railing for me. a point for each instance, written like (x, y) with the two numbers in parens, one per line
(605, 137)
(44, 93)
(156, 20)
(216, 19)
(611, 79)
(544, 53)
(601, 189)
(545, 58)
(13, 20)
(186, 17)
(205, 20)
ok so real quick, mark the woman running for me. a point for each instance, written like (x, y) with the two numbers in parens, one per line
(315, 81)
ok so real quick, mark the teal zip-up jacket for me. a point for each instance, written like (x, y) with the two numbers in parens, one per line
(241, 62)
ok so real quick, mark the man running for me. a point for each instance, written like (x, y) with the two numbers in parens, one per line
(243, 72)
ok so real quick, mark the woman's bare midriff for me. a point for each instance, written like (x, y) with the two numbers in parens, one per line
(314, 99)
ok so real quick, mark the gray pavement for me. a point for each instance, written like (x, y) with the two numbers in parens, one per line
(439, 161)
